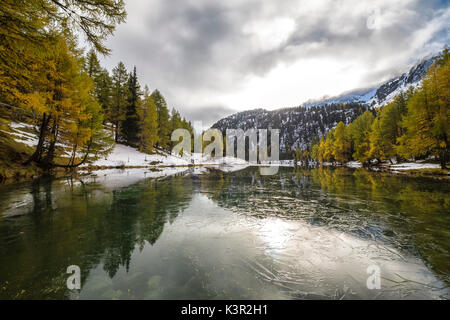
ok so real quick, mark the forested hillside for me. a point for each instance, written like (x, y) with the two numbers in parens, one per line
(413, 126)
(386, 92)
(405, 118)
(61, 93)
(298, 126)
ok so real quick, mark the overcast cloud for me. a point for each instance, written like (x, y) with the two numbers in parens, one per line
(212, 58)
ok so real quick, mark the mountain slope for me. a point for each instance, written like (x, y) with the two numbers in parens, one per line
(379, 96)
(298, 126)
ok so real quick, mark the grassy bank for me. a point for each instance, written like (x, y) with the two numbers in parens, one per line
(12, 156)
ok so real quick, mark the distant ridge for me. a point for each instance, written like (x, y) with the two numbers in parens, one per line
(301, 125)
(379, 96)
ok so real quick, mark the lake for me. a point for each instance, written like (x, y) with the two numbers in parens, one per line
(195, 233)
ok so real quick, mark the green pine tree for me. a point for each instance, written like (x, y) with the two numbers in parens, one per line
(130, 124)
(103, 92)
(175, 123)
(164, 129)
(119, 101)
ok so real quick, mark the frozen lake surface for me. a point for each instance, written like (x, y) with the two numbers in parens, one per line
(195, 233)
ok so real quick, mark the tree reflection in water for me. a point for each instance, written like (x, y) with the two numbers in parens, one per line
(68, 222)
(48, 225)
(408, 212)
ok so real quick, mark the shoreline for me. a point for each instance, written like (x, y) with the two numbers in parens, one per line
(413, 169)
(403, 169)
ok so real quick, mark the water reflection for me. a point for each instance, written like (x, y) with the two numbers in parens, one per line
(84, 224)
(409, 213)
(209, 234)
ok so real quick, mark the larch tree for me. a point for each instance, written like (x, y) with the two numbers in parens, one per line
(315, 151)
(386, 129)
(41, 71)
(321, 150)
(360, 131)
(95, 19)
(164, 133)
(148, 123)
(378, 143)
(68, 113)
(342, 148)
(29, 29)
(426, 122)
(175, 123)
(328, 147)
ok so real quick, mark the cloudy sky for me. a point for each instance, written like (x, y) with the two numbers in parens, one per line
(211, 58)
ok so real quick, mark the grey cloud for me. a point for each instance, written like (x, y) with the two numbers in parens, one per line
(184, 39)
(362, 43)
(208, 115)
(199, 47)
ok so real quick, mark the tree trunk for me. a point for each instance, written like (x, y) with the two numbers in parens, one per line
(36, 156)
(116, 131)
(72, 166)
(74, 153)
(444, 159)
(47, 162)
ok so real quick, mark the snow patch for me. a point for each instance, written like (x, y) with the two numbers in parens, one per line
(354, 164)
(126, 156)
(414, 165)
(122, 155)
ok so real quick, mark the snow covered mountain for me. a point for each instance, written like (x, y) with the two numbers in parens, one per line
(385, 93)
(363, 96)
(299, 126)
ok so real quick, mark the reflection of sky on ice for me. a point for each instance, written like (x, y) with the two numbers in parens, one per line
(235, 236)
(326, 256)
(269, 258)
(21, 201)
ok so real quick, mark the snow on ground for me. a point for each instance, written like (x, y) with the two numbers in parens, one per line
(350, 164)
(20, 133)
(122, 155)
(414, 165)
(20, 125)
(279, 163)
(26, 139)
(354, 164)
(393, 167)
